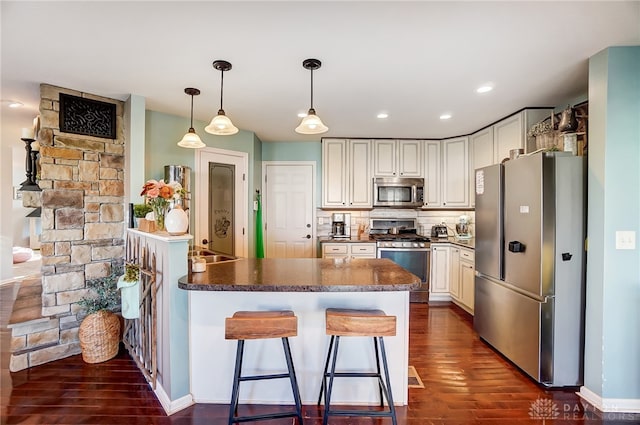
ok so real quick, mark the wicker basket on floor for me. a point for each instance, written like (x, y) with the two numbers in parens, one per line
(99, 336)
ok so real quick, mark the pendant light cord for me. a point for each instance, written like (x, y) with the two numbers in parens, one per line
(311, 88)
(191, 126)
(221, 88)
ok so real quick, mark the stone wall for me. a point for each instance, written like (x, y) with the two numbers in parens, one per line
(83, 224)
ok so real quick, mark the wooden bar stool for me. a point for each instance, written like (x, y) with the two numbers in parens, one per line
(346, 322)
(262, 325)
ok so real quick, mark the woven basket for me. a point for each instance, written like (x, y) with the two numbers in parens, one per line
(99, 336)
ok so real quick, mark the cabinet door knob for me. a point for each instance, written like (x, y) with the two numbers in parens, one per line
(306, 237)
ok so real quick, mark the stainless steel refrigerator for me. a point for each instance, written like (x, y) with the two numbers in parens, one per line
(530, 264)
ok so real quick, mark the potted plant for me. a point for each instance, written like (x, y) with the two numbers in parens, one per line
(130, 292)
(140, 211)
(99, 331)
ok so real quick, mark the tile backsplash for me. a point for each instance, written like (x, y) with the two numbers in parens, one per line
(425, 219)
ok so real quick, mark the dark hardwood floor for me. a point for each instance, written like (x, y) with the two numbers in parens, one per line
(466, 382)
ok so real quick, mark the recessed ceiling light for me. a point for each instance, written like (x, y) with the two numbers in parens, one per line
(484, 89)
(445, 116)
(12, 103)
(302, 114)
(383, 115)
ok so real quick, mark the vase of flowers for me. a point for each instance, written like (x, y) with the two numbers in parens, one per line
(158, 195)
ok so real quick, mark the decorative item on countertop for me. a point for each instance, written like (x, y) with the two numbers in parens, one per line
(128, 284)
(198, 264)
(99, 332)
(462, 227)
(140, 211)
(176, 221)
(158, 194)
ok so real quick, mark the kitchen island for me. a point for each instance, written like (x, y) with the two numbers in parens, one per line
(307, 286)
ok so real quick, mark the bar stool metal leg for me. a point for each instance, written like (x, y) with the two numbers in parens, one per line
(233, 408)
(392, 407)
(262, 325)
(323, 387)
(358, 323)
(292, 378)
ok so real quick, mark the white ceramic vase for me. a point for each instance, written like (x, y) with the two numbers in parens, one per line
(176, 222)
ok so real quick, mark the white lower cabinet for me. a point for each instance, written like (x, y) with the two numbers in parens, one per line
(439, 288)
(349, 250)
(466, 280)
(454, 272)
(452, 275)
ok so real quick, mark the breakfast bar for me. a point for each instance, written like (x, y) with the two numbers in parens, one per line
(306, 286)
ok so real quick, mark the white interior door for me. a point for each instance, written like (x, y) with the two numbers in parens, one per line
(289, 214)
(238, 162)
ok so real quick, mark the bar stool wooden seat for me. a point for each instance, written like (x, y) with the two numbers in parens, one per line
(246, 325)
(368, 323)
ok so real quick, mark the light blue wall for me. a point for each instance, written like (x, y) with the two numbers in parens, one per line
(163, 131)
(297, 151)
(612, 352)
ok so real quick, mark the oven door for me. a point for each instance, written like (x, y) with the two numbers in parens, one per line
(416, 261)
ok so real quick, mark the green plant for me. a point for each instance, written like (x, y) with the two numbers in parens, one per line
(105, 294)
(141, 210)
(131, 272)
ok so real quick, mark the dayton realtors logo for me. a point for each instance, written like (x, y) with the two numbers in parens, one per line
(543, 408)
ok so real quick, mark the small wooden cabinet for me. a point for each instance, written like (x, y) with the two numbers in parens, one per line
(348, 250)
(397, 158)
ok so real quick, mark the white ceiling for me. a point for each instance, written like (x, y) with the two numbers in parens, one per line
(414, 60)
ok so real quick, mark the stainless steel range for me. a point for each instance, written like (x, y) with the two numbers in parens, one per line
(397, 239)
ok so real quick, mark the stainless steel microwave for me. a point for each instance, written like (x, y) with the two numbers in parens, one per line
(398, 192)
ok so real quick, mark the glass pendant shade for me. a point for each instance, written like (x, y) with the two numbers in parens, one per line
(221, 125)
(311, 124)
(191, 140)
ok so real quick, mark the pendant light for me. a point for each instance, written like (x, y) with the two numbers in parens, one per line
(311, 124)
(221, 124)
(191, 139)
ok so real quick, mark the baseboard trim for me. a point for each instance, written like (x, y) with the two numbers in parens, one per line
(171, 407)
(623, 405)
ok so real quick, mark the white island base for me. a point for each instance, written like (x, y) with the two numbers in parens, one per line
(212, 358)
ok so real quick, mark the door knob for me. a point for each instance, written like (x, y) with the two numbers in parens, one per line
(205, 242)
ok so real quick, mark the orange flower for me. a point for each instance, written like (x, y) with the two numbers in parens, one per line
(166, 191)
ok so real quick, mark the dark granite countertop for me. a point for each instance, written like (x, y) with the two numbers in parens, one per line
(302, 275)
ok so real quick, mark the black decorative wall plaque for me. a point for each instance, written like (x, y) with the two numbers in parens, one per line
(90, 117)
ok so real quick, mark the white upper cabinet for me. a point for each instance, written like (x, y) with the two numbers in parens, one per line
(493, 144)
(432, 174)
(397, 158)
(482, 146)
(455, 172)
(346, 173)
(508, 134)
